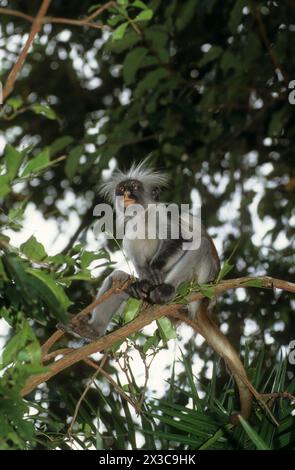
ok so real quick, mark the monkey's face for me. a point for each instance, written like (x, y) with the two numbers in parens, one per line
(132, 191)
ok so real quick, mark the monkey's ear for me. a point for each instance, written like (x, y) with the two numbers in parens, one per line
(156, 192)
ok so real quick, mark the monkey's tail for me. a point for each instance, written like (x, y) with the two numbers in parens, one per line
(219, 342)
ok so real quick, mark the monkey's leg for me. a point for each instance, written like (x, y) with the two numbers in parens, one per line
(219, 342)
(104, 312)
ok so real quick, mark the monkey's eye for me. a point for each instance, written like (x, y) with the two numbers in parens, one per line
(121, 189)
(135, 186)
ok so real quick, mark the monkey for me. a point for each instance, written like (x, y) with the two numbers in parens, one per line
(162, 265)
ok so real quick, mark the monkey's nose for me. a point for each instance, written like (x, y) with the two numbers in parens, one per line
(127, 194)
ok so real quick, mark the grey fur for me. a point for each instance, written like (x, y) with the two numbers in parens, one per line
(178, 266)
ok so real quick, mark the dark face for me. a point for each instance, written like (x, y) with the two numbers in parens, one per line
(132, 190)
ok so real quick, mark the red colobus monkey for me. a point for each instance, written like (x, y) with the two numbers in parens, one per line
(162, 265)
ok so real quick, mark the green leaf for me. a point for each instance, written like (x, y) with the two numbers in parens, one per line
(144, 15)
(277, 122)
(132, 62)
(213, 53)
(230, 61)
(127, 42)
(131, 309)
(114, 20)
(207, 292)
(236, 15)
(166, 329)
(151, 342)
(38, 163)
(15, 103)
(72, 162)
(120, 31)
(86, 257)
(84, 275)
(17, 212)
(2, 271)
(53, 286)
(140, 4)
(94, 7)
(183, 289)
(13, 160)
(33, 249)
(59, 260)
(186, 14)
(225, 269)
(150, 81)
(159, 37)
(252, 434)
(252, 283)
(59, 144)
(44, 110)
(4, 186)
(31, 353)
(16, 344)
(15, 268)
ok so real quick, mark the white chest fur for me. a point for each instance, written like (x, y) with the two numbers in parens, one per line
(140, 251)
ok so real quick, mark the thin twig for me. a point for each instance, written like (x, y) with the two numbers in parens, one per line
(99, 368)
(58, 352)
(271, 397)
(87, 21)
(51, 341)
(36, 26)
(113, 383)
(263, 34)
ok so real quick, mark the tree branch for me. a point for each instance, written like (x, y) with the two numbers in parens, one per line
(264, 37)
(36, 26)
(98, 370)
(87, 21)
(113, 383)
(146, 317)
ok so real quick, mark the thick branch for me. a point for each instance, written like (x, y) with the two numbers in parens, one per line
(146, 317)
(101, 344)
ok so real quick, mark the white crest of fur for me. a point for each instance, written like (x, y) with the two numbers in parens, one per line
(148, 176)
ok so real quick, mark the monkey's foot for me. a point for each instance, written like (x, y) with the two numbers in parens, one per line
(162, 294)
(81, 330)
(140, 289)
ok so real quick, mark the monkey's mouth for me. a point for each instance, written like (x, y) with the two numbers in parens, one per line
(129, 202)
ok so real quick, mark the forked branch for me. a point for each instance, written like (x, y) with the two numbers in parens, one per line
(202, 324)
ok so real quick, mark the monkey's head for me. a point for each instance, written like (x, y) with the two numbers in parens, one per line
(132, 190)
(140, 185)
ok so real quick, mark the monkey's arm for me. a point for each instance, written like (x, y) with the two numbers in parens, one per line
(151, 285)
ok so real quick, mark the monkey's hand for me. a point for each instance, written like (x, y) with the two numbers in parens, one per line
(161, 294)
(140, 289)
